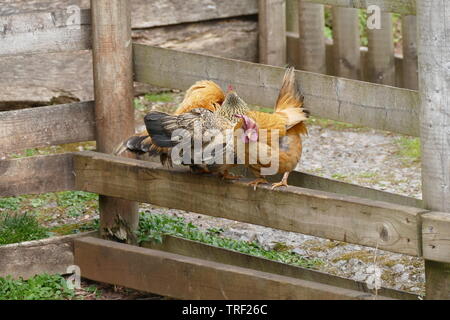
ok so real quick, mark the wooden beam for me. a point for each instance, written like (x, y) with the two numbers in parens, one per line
(409, 61)
(184, 277)
(27, 259)
(433, 37)
(35, 175)
(367, 104)
(346, 43)
(323, 214)
(311, 50)
(211, 253)
(380, 62)
(46, 126)
(40, 32)
(114, 110)
(272, 32)
(404, 7)
(436, 236)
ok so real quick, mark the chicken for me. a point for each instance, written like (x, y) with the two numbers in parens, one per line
(258, 127)
(203, 94)
(203, 138)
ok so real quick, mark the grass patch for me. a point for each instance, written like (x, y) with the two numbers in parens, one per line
(40, 287)
(331, 124)
(68, 229)
(159, 97)
(153, 226)
(20, 227)
(409, 148)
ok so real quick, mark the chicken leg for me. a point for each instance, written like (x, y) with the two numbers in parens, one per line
(282, 183)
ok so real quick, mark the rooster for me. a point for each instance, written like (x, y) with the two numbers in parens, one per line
(200, 127)
(203, 94)
(288, 121)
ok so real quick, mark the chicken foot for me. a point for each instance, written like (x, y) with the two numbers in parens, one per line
(282, 183)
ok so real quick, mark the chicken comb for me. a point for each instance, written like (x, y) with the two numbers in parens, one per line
(230, 88)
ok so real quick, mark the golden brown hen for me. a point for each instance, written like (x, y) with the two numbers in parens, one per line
(262, 153)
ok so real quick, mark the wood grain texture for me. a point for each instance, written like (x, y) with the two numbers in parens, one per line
(36, 175)
(405, 7)
(41, 32)
(184, 277)
(311, 23)
(436, 236)
(272, 32)
(211, 253)
(433, 37)
(328, 215)
(380, 56)
(375, 106)
(27, 259)
(46, 126)
(346, 43)
(113, 90)
(410, 68)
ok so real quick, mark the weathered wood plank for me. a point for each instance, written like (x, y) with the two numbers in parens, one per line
(44, 32)
(409, 61)
(311, 44)
(272, 32)
(207, 252)
(323, 214)
(50, 256)
(375, 106)
(113, 89)
(46, 126)
(405, 7)
(184, 277)
(436, 236)
(36, 175)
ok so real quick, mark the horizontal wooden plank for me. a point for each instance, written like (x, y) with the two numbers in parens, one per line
(50, 256)
(372, 105)
(149, 13)
(207, 252)
(184, 277)
(46, 126)
(36, 175)
(40, 32)
(404, 7)
(436, 236)
(323, 214)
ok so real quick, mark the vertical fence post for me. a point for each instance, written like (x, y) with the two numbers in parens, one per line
(346, 43)
(272, 32)
(114, 112)
(409, 68)
(433, 17)
(311, 24)
(381, 60)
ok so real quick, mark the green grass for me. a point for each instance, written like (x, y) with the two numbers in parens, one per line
(20, 227)
(152, 227)
(331, 124)
(409, 148)
(40, 287)
(159, 97)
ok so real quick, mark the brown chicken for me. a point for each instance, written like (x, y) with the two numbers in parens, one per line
(288, 121)
(203, 94)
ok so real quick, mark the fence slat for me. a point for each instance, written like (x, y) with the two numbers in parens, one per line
(46, 126)
(339, 217)
(183, 277)
(410, 77)
(372, 105)
(436, 236)
(405, 7)
(346, 43)
(312, 54)
(272, 32)
(41, 32)
(36, 175)
(381, 63)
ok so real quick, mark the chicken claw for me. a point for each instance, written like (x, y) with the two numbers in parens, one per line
(282, 183)
(256, 182)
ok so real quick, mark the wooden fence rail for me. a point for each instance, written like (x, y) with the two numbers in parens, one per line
(405, 7)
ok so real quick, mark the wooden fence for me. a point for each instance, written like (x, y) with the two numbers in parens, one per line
(314, 205)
